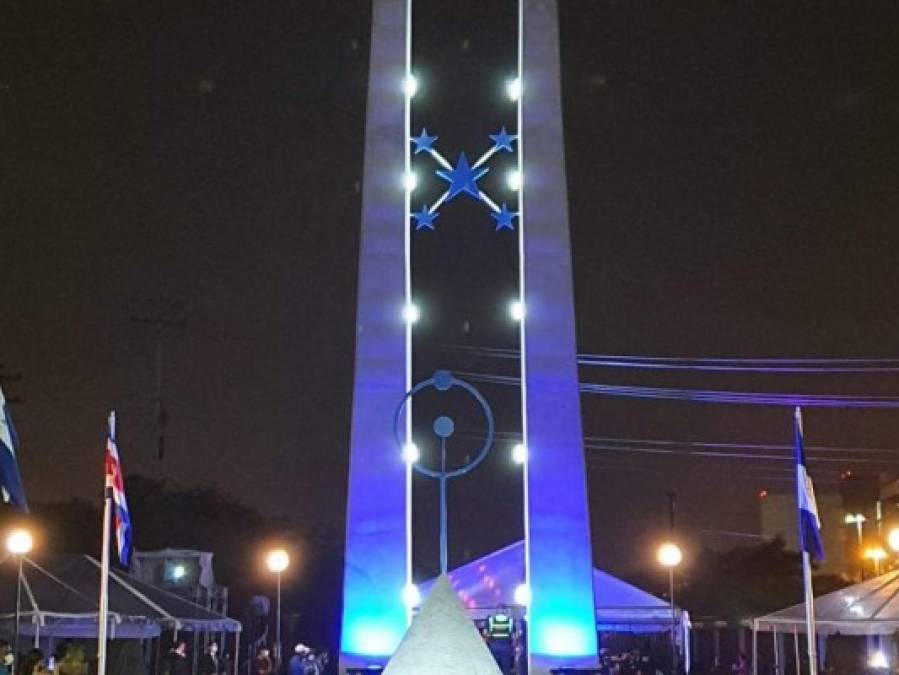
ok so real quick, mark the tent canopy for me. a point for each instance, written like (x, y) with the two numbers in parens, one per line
(60, 598)
(868, 608)
(490, 582)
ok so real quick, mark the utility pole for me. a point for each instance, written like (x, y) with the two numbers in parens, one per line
(160, 322)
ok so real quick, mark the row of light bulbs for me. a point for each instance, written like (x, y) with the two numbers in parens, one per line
(513, 87)
(411, 312)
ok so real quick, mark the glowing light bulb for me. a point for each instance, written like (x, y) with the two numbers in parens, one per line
(410, 181)
(513, 89)
(514, 180)
(519, 453)
(522, 595)
(19, 542)
(411, 313)
(411, 596)
(410, 85)
(516, 310)
(411, 453)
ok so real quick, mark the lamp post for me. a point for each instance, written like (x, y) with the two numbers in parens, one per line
(277, 561)
(669, 555)
(19, 543)
(875, 554)
(857, 519)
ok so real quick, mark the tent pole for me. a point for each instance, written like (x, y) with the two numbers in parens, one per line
(776, 652)
(755, 647)
(796, 644)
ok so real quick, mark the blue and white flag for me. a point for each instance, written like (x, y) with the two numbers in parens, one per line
(10, 478)
(809, 521)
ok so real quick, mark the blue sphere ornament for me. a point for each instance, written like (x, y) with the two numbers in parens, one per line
(444, 426)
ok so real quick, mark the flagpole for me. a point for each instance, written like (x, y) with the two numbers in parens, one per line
(811, 636)
(103, 618)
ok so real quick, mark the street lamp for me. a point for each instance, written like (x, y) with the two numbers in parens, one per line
(893, 539)
(875, 554)
(856, 519)
(19, 543)
(277, 561)
(669, 555)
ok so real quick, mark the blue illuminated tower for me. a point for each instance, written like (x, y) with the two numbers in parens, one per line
(561, 621)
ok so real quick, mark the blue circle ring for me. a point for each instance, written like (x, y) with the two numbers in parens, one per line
(439, 381)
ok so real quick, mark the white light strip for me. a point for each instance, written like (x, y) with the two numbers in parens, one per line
(522, 325)
(483, 158)
(489, 202)
(407, 150)
(440, 159)
(436, 205)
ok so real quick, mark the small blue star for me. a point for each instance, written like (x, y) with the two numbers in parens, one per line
(503, 140)
(463, 178)
(423, 142)
(504, 218)
(424, 219)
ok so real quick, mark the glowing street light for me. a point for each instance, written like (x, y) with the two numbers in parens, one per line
(875, 554)
(519, 453)
(513, 89)
(277, 561)
(669, 555)
(19, 543)
(893, 539)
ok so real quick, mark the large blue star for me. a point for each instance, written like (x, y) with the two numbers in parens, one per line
(503, 140)
(423, 142)
(424, 219)
(504, 218)
(463, 178)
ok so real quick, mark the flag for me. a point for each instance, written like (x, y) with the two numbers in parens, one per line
(809, 522)
(10, 478)
(115, 483)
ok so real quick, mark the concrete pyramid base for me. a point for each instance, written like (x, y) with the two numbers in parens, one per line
(442, 640)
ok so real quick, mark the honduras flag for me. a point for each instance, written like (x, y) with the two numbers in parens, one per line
(809, 522)
(10, 479)
(115, 484)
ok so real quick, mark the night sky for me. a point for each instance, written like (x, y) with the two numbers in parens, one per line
(733, 173)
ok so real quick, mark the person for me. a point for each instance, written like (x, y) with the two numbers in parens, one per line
(6, 658)
(32, 663)
(297, 663)
(72, 660)
(741, 666)
(209, 664)
(263, 662)
(178, 664)
(500, 629)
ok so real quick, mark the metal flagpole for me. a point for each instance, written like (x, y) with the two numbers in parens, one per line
(103, 617)
(806, 565)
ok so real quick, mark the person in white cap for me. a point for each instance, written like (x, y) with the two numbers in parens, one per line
(297, 663)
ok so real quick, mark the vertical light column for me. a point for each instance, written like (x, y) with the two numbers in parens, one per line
(561, 619)
(376, 562)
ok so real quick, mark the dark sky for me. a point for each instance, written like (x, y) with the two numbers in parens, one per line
(733, 173)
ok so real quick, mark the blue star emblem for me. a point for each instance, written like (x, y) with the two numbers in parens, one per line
(503, 140)
(463, 178)
(423, 142)
(424, 219)
(504, 218)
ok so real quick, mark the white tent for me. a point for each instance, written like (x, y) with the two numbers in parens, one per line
(869, 608)
(490, 582)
